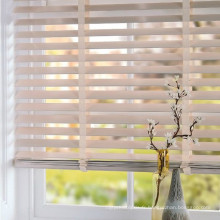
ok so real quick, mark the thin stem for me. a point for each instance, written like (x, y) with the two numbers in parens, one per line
(158, 191)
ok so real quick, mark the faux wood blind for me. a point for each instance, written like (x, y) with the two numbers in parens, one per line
(90, 73)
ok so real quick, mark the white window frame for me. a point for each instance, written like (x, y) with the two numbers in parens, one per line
(22, 191)
(8, 180)
(33, 206)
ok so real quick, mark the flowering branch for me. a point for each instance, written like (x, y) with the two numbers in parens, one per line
(176, 93)
(152, 133)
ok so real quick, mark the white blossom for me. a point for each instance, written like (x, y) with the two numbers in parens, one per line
(196, 141)
(172, 116)
(170, 140)
(189, 138)
(168, 135)
(198, 119)
(151, 121)
(166, 83)
(179, 107)
(173, 95)
(188, 92)
(185, 92)
(173, 106)
(176, 111)
(176, 107)
(154, 132)
(173, 142)
(176, 77)
(149, 146)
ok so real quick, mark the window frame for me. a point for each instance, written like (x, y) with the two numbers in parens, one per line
(8, 199)
(31, 188)
(21, 190)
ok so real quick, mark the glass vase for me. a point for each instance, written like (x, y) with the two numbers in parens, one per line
(157, 209)
(161, 183)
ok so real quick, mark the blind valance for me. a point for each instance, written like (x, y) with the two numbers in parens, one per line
(90, 73)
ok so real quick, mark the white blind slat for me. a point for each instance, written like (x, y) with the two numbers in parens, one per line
(46, 46)
(46, 131)
(143, 6)
(205, 30)
(40, 9)
(133, 69)
(115, 45)
(205, 4)
(46, 70)
(46, 34)
(46, 58)
(46, 107)
(48, 83)
(105, 144)
(134, 57)
(49, 143)
(130, 19)
(48, 21)
(205, 17)
(97, 32)
(55, 118)
(47, 95)
(120, 118)
(205, 43)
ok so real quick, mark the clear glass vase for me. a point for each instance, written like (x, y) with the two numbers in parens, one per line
(157, 209)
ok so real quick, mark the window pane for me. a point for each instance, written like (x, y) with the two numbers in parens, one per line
(89, 188)
(143, 193)
(201, 191)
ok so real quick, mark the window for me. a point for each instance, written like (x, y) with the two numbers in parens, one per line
(89, 74)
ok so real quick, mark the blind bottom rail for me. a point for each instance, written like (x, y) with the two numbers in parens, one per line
(142, 166)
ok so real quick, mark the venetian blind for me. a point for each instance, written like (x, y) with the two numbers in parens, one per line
(90, 73)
